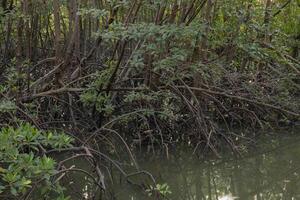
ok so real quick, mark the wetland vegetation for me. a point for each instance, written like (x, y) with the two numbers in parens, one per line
(141, 99)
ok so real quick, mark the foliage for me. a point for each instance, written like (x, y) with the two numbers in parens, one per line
(151, 72)
(22, 165)
(162, 189)
(7, 106)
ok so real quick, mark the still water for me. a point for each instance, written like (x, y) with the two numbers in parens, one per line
(268, 171)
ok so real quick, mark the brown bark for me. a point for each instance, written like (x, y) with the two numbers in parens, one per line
(174, 11)
(7, 38)
(34, 36)
(19, 58)
(160, 14)
(26, 4)
(57, 31)
(267, 19)
(77, 30)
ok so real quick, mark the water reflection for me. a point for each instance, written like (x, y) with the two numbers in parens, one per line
(270, 171)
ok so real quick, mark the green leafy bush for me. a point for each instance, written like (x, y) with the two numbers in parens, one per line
(23, 164)
(162, 190)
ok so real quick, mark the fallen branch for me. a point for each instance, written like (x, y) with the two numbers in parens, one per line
(243, 99)
(47, 76)
(46, 60)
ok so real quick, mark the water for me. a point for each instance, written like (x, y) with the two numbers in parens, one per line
(269, 171)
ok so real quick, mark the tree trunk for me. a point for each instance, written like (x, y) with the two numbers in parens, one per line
(57, 31)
